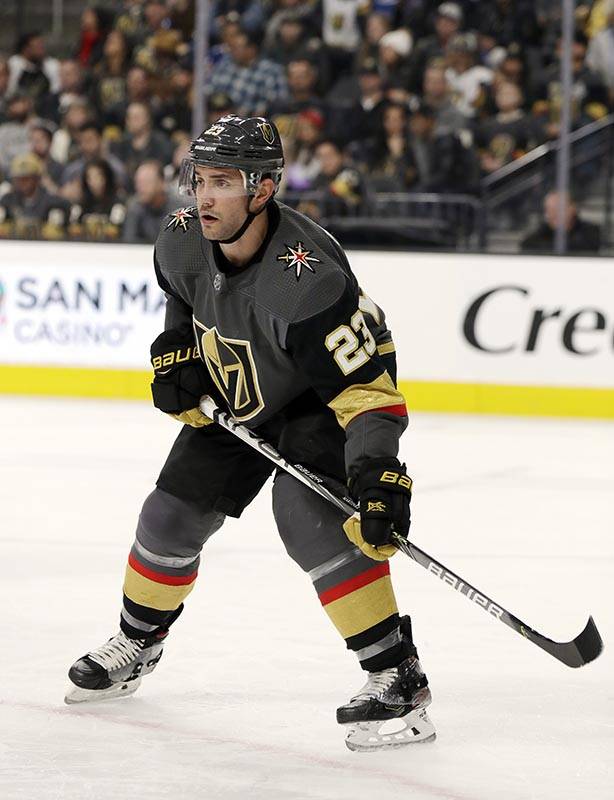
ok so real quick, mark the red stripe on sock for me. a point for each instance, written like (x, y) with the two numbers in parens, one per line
(158, 577)
(357, 582)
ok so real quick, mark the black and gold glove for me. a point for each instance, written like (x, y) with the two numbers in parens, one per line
(383, 490)
(180, 377)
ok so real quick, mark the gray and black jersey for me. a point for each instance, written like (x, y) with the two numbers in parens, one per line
(292, 323)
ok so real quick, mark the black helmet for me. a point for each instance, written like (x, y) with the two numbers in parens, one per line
(251, 145)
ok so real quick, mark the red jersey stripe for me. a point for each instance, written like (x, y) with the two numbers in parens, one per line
(158, 577)
(357, 582)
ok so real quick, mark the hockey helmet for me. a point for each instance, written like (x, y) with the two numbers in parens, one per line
(252, 145)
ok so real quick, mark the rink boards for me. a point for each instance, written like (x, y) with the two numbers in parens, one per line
(488, 334)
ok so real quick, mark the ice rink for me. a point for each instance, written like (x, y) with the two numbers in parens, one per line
(242, 706)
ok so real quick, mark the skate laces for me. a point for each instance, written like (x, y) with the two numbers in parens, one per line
(117, 652)
(377, 684)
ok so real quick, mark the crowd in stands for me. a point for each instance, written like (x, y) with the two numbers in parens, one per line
(369, 96)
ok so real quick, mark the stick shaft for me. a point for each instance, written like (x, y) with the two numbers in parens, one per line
(584, 648)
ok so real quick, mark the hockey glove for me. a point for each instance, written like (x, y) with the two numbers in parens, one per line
(383, 490)
(180, 377)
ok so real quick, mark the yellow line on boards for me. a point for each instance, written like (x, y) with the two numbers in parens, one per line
(549, 401)
(75, 382)
(486, 398)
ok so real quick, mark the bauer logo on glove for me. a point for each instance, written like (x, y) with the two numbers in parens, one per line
(180, 377)
(383, 490)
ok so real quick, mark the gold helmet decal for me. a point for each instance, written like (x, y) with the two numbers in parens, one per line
(267, 132)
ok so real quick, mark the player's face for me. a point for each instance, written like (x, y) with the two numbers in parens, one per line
(221, 200)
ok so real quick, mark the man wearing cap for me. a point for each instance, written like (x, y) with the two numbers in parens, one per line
(448, 22)
(29, 210)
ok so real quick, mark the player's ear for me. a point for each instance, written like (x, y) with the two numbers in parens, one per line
(266, 189)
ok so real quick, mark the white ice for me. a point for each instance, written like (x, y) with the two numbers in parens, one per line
(243, 703)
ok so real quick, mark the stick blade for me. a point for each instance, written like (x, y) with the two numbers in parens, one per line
(586, 647)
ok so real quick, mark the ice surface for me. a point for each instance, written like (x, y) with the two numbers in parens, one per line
(243, 703)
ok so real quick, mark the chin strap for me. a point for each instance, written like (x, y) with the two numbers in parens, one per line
(250, 217)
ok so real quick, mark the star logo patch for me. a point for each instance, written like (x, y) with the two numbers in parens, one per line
(180, 218)
(298, 258)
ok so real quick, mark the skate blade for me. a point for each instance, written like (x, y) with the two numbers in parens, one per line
(413, 728)
(75, 694)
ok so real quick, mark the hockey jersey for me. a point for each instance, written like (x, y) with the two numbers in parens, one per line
(293, 320)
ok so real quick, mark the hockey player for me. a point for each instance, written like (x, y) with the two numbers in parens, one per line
(265, 315)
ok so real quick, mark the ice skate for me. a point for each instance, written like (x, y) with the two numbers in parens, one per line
(389, 710)
(114, 669)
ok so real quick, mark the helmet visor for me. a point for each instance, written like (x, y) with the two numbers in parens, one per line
(215, 181)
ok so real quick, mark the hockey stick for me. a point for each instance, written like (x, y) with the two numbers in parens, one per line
(585, 648)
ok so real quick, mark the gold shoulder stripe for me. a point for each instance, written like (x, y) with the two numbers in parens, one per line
(363, 397)
(387, 347)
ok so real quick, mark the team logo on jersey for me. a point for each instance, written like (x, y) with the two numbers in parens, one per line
(180, 218)
(231, 365)
(267, 132)
(298, 258)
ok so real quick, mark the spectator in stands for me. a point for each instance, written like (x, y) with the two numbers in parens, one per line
(14, 132)
(138, 90)
(448, 23)
(467, 79)
(341, 23)
(29, 210)
(510, 133)
(32, 71)
(302, 166)
(4, 85)
(71, 87)
(219, 105)
(95, 26)
(150, 205)
(65, 146)
(156, 18)
(442, 162)
(589, 95)
(109, 89)
(248, 13)
(355, 118)
(141, 143)
(175, 113)
(376, 26)
(41, 136)
(91, 147)
(253, 83)
(388, 159)
(290, 39)
(436, 94)
(394, 51)
(489, 53)
(130, 20)
(292, 10)
(102, 211)
(341, 184)
(600, 54)
(510, 21)
(302, 78)
(582, 237)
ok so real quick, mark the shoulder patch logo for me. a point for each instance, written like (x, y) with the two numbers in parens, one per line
(180, 218)
(298, 258)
